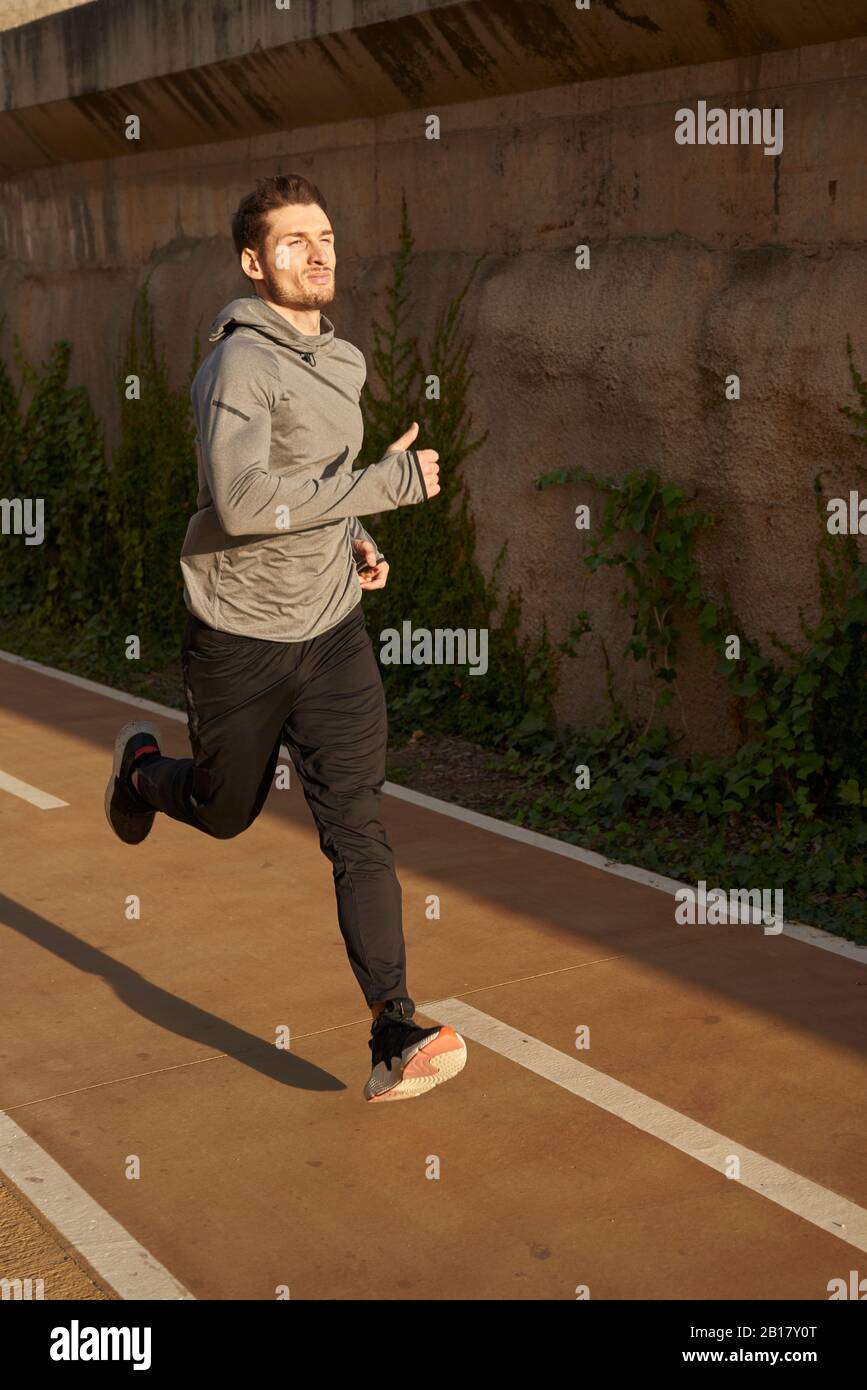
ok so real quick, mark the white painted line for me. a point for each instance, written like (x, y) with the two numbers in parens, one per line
(43, 800)
(831, 1213)
(94, 686)
(110, 1250)
(798, 931)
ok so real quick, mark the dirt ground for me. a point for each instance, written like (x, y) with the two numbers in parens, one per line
(29, 1249)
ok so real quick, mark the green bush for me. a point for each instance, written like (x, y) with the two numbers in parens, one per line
(434, 579)
(786, 808)
(152, 491)
(52, 449)
(108, 567)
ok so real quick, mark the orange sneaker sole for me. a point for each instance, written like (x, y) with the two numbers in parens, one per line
(436, 1061)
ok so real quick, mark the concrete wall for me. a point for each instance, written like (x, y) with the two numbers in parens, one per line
(16, 12)
(706, 260)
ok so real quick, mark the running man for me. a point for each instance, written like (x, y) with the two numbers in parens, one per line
(275, 650)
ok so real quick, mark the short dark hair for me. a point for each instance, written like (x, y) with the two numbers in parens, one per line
(248, 223)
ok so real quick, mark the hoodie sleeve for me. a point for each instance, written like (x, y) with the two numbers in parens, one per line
(233, 415)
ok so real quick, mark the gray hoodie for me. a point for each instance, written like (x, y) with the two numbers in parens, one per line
(268, 552)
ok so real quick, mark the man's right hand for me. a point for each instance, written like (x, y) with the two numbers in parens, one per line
(427, 459)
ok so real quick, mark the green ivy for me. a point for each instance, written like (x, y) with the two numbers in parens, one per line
(108, 567)
(153, 489)
(780, 808)
(434, 579)
(52, 450)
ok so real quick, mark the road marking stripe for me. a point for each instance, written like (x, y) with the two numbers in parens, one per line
(798, 931)
(43, 800)
(831, 1212)
(94, 686)
(835, 1215)
(110, 1250)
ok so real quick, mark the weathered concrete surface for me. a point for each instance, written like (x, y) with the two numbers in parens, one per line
(199, 73)
(705, 260)
(15, 12)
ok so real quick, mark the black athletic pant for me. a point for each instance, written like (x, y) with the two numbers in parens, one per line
(324, 699)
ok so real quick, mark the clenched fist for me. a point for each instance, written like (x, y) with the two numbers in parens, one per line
(371, 575)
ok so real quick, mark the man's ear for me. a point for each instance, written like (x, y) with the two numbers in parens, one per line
(250, 264)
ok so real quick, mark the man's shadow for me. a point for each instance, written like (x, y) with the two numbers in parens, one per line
(166, 1010)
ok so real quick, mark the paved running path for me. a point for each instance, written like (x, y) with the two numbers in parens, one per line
(261, 1168)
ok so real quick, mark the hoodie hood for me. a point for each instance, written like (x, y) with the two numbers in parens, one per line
(252, 312)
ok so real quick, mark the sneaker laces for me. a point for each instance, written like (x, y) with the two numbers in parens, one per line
(395, 1011)
(388, 1034)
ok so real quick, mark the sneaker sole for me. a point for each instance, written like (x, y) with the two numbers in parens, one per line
(136, 726)
(434, 1062)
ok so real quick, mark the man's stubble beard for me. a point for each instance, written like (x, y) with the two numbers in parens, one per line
(313, 297)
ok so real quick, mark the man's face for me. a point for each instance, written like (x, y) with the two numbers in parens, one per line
(296, 267)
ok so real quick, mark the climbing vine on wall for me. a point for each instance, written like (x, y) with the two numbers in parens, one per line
(435, 580)
(51, 453)
(787, 807)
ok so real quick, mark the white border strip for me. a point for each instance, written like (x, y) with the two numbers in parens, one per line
(831, 1213)
(94, 686)
(82, 1222)
(43, 800)
(798, 931)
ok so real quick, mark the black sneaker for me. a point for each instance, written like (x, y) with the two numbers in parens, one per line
(407, 1060)
(129, 815)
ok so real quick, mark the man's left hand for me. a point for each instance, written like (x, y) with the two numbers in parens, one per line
(372, 575)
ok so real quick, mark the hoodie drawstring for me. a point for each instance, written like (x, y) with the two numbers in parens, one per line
(308, 357)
